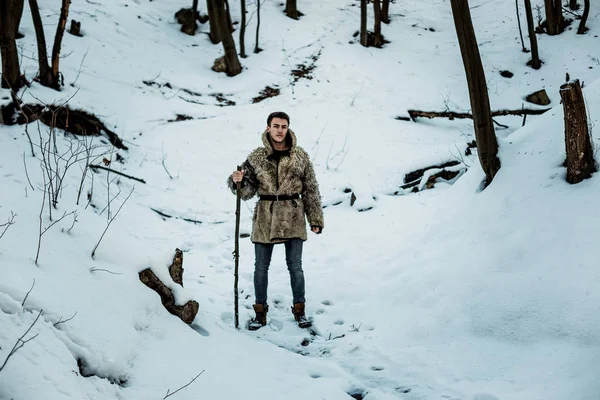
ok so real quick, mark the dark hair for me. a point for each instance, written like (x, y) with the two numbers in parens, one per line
(278, 114)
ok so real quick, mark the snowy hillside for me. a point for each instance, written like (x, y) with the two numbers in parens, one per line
(450, 293)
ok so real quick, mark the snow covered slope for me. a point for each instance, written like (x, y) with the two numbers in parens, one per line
(451, 293)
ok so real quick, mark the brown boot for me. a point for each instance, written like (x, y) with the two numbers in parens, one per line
(261, 317)
(299, 316)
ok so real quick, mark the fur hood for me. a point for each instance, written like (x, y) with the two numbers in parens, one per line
(277, 221)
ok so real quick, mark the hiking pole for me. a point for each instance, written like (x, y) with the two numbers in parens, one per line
(237, 249)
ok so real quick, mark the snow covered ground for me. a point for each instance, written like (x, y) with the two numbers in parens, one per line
(450, 293)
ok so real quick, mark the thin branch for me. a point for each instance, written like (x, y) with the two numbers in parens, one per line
(27, 295)
(163, 161)
(20, 342)
(94, 269)
(26, 172)
(183, 387)
(111, 220)
(80, 67)
(66, 320)
(116, 172)
(58, 220)
(7, 225)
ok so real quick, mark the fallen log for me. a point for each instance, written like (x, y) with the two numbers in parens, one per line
(414, 114)
(77, 122)
(186, 312)
(425, 178)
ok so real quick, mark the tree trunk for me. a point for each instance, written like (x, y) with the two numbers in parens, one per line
(385, 12)
(256, 47)
(535, 62)
(586, 12)
(378, 40)
(229, 22)
(45, 75)
(10, 18)
(553, 16)
(231, 58)
(243, 30)
(485, 136)
(364, 39)
(573, 5)
(580, 154)
(60, 31)
(214, 22)
(524, 50)
(291, 9)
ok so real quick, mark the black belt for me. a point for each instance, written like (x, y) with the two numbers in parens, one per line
(279, 197)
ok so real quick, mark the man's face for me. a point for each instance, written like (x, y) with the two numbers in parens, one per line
(278, 130)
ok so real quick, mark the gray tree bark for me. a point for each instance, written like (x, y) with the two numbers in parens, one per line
(378, 40)
(535, 62)
(586, 12)
(243, 30)
(385, 12)
(487, 145)
(363, 23)
(553, 16)
(231, 58)
(291, 9)
(580, 153)
(11, 12)
(213, 20)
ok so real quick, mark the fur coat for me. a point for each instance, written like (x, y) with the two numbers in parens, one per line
(277, 221)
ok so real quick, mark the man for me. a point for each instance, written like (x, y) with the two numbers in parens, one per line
(281, 173)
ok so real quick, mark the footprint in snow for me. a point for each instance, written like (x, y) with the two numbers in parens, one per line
(377, 368)
(319, 311)
(339, 322)
(326, 302)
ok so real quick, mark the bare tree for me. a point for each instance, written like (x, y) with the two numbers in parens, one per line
(554, 19)
(214, 22)
(535, 61)
(10, 18)
(378, 39)
(231, 58)
(385, 12)
(364, 38)
(586, 12)
(49, 76)
(487, 145)
(580, 155)
(573, 5)
(243, 29)
(291, 9)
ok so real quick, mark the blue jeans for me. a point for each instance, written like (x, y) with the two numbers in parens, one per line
(293, 258)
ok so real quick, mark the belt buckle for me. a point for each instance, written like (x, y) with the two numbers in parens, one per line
(276, 197)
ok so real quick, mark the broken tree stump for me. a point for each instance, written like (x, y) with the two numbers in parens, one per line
(580, 154)
(176, 268)
(75, 29)
(540, 98)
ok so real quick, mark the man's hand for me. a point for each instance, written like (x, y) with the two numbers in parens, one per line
(237, 176)
(316, 229)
